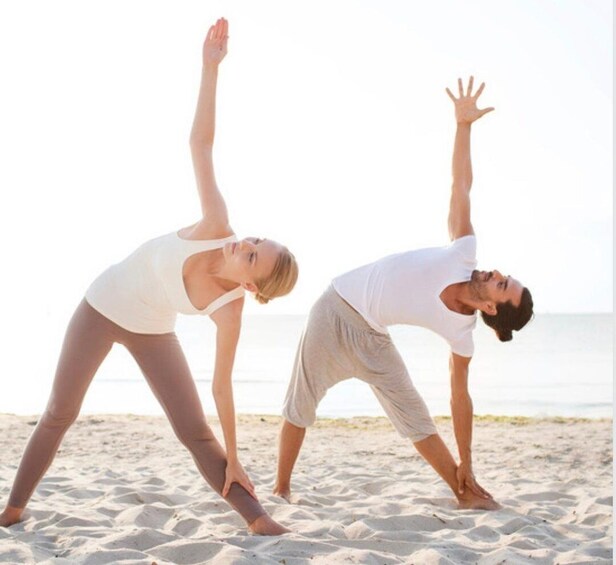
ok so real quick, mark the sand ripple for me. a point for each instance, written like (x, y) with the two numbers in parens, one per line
(362, 495)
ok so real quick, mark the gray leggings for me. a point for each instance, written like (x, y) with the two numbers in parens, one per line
(88, 340)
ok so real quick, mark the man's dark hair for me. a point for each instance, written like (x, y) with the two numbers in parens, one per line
(509, 318)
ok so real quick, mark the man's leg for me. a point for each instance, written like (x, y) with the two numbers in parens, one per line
(291, 439)
(435, 452)
(392, 385)
(303, 396)
(322, 360)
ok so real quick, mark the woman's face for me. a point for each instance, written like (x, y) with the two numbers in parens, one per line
(251, 259)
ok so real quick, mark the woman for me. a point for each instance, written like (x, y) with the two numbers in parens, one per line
(201, 269)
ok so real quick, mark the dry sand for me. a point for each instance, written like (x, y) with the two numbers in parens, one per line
(123, 490)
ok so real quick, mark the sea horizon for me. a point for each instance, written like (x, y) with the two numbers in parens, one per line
(560, 365)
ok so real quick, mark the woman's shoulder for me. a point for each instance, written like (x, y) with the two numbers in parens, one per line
(205, 230)
(229, 316)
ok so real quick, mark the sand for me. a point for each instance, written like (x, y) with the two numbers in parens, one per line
(123, 490)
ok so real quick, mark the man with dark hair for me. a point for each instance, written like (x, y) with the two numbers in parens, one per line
(437, 288)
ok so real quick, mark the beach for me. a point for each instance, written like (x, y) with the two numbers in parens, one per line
(123, 490)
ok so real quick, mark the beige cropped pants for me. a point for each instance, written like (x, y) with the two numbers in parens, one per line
(338, 344)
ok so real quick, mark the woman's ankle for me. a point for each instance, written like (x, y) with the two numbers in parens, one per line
(266, 525)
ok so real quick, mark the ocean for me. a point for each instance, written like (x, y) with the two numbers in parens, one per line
(559, 365)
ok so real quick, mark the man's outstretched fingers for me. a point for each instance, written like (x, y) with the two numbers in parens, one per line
(469, 90)
(479, 90)
(485, 111)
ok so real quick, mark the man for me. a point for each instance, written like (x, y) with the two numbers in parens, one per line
(437, 288)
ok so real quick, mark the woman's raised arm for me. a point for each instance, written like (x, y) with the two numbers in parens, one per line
(213, 207)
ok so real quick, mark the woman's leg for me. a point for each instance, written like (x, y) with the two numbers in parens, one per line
(87, 341)
(162, 361)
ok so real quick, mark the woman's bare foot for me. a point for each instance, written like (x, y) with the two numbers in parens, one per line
(473, 502)
(266, 526)
(10, 516)
(283, 492)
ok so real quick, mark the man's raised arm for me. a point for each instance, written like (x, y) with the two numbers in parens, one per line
(462, 171)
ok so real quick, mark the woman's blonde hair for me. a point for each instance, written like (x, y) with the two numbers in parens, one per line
(281, 280)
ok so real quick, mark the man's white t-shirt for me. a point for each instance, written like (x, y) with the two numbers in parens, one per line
(405, 288)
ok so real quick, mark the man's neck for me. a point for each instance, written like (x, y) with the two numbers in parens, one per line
(457, 298)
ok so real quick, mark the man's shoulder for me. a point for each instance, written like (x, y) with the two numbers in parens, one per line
(465, 246)
(470, 239)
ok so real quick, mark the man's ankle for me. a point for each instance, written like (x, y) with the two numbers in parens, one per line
(282, 486)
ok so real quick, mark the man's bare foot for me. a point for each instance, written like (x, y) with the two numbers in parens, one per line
(10, 516)
(474, 502)
(283, 492)
(266, 526)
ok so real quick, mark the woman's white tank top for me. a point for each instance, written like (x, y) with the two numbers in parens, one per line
(144, 292)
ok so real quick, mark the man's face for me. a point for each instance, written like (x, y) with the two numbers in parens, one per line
(494, 287)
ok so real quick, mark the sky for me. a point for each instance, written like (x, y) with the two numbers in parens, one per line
(334, 136)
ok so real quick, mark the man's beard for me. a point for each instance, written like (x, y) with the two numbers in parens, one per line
(477, 286)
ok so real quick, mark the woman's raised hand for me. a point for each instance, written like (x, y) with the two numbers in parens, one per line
(215, 45)
(466, 105)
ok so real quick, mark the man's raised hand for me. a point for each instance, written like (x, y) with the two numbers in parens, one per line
(466, 105)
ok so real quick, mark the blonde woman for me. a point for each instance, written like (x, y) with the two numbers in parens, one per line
(200, 269)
